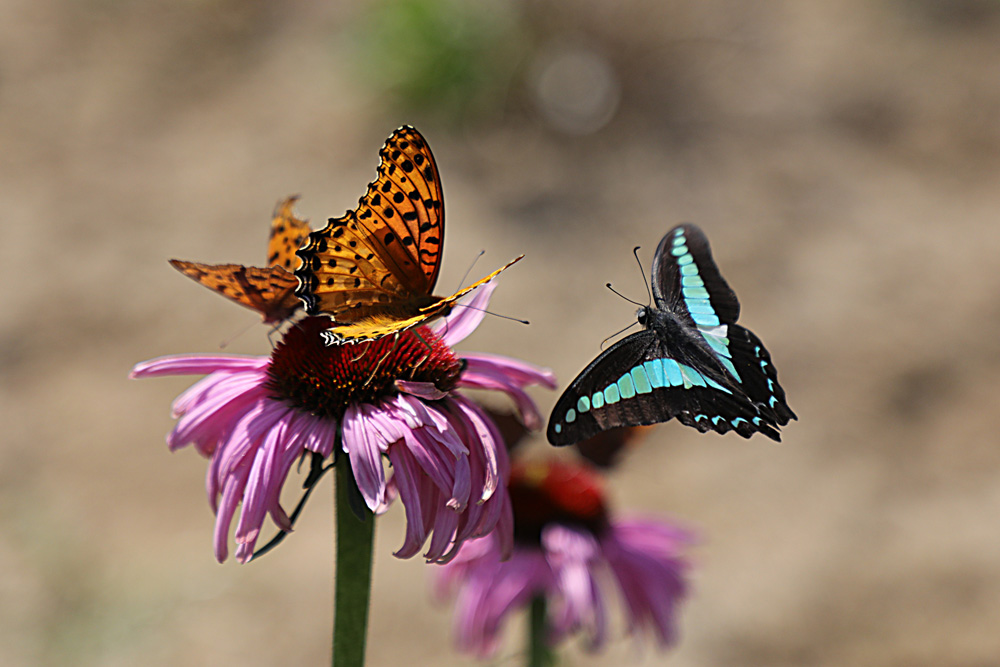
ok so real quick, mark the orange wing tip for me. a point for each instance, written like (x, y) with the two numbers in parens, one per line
(500, 270)
(483, 281)
(185, 267)
(285, 208)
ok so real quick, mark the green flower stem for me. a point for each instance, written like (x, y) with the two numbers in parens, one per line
(539, 652)
(353, 576)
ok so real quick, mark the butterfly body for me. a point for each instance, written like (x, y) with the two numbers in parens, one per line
(373, 270)
(678, 342)
(691, 361)
(268, 290)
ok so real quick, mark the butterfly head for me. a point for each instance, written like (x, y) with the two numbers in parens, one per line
(642, 314)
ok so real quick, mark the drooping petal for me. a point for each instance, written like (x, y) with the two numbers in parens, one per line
(437, 463)
(204, 423)
(242, 441)
(322, 435)
(365, 455)
(289, 449)
(405, 479)
(445, 525)
(419, 413)
(196, 364)
(232, 491)
(483, 440)
(515, 371)
(206, 389)
(263, 484)
(530, 416)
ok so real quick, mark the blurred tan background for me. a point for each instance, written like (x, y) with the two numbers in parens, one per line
(844, 159)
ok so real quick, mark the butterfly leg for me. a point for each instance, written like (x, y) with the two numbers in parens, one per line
(361, 354)
(393, 348)
(273, 330)
(427, 345)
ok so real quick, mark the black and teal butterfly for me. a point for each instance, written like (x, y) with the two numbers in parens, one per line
(692, 361)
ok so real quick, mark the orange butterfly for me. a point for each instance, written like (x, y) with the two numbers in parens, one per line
(373, 269)
(270, 291)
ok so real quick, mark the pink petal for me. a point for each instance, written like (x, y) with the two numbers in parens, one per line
(204, 424)
(425, 390)
(525, 406)
(429, 460)
(465, 317)
(232, 491)
(405, 475)
(483, 442)
(518, 372)
(197, 364)
(365, 456)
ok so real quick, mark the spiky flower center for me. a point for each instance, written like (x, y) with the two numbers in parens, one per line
(543, 493)
(323, 380)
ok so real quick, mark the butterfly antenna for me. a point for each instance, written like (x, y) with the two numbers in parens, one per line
(361, 352)
(619, 332)
(635, 251)
(623, 296)
(447, 326)
(469, 270)
(224, 344)
(490, 312)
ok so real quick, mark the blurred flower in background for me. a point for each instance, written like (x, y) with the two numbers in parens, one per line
(253, 417)
(571, 552)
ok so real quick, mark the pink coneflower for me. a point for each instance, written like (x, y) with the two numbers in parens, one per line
(253, 417)
(570, 552)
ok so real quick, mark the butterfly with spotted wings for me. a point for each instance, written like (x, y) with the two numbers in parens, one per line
(271, 290)
(373, 269)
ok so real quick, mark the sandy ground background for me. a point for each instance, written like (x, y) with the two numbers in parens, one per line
(842, 157)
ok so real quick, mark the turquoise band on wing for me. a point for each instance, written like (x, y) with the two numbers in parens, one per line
(696, 299)
(643, 379)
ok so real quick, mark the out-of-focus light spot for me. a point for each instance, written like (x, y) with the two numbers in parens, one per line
(576, 89)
